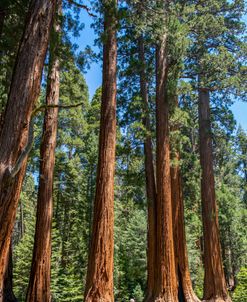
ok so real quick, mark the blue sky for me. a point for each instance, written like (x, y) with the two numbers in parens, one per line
(94, 78)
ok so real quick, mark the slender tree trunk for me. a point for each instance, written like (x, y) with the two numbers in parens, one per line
(2, 17)
(99, 284)
(21, 229)
(150, 179)
(186, 292)
(165, 281)
(23, 94)
(39, 281)
(8, 294)
(214, 280)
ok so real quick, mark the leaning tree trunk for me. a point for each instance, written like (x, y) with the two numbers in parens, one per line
(8, 294)
(185, 290)
(214, 280)
(23, 94)
(165, 281)
(150, 179)
(99, 284)
(39, 281)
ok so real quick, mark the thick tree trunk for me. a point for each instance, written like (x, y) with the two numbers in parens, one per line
(99, 284)
(214, 280)
(23, 94)
(8, 294)
(39, 281)
(165, 281)
(150, 179)
(186, 292)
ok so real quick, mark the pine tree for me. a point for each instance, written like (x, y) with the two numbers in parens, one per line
(150, 178)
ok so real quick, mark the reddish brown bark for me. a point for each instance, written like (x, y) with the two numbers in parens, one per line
(185, 292)
(23, 94)
(214, 281)
(150, 179)
(165, 281)
(39, 281)
(99, 284)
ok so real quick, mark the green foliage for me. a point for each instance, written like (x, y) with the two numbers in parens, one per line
(23, 238)
(130, 251)
(240, 293)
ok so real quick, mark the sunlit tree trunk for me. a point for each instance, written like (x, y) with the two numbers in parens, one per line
(99, 284)
(150, 178)
(39, 281)
(214, 280)
(24, 91)
(165, 280)
(185, 291)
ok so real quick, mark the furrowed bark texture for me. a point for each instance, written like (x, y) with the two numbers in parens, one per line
(23, 94)
(214, 280)
(8, 294)
(165, 281)
(150, 180)
(185, 292)
(99, 284)
(39, 281)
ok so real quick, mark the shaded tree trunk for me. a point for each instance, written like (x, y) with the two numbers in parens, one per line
(150, 179)
(39, 281)
(214, 280)
(2, 18)
(8, 294)
(99, 284)
(186, 292)
(165, 281)
(23, 94)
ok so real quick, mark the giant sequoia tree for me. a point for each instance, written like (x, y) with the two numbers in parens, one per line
(39, 282)
(213, 63)
(215, 284)
(23, 94)
(165, 280)
(99, 284)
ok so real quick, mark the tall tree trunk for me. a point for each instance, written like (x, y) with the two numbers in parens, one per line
(214, 280)
(8, 294)
(186, 292)
(23, 94)
(2, 17)
(99, 284)
(39, 281)
(165, 281)
(150, 179)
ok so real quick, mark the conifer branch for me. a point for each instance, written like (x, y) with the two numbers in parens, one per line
(83, 6)
(13, 172)
(44, 107)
